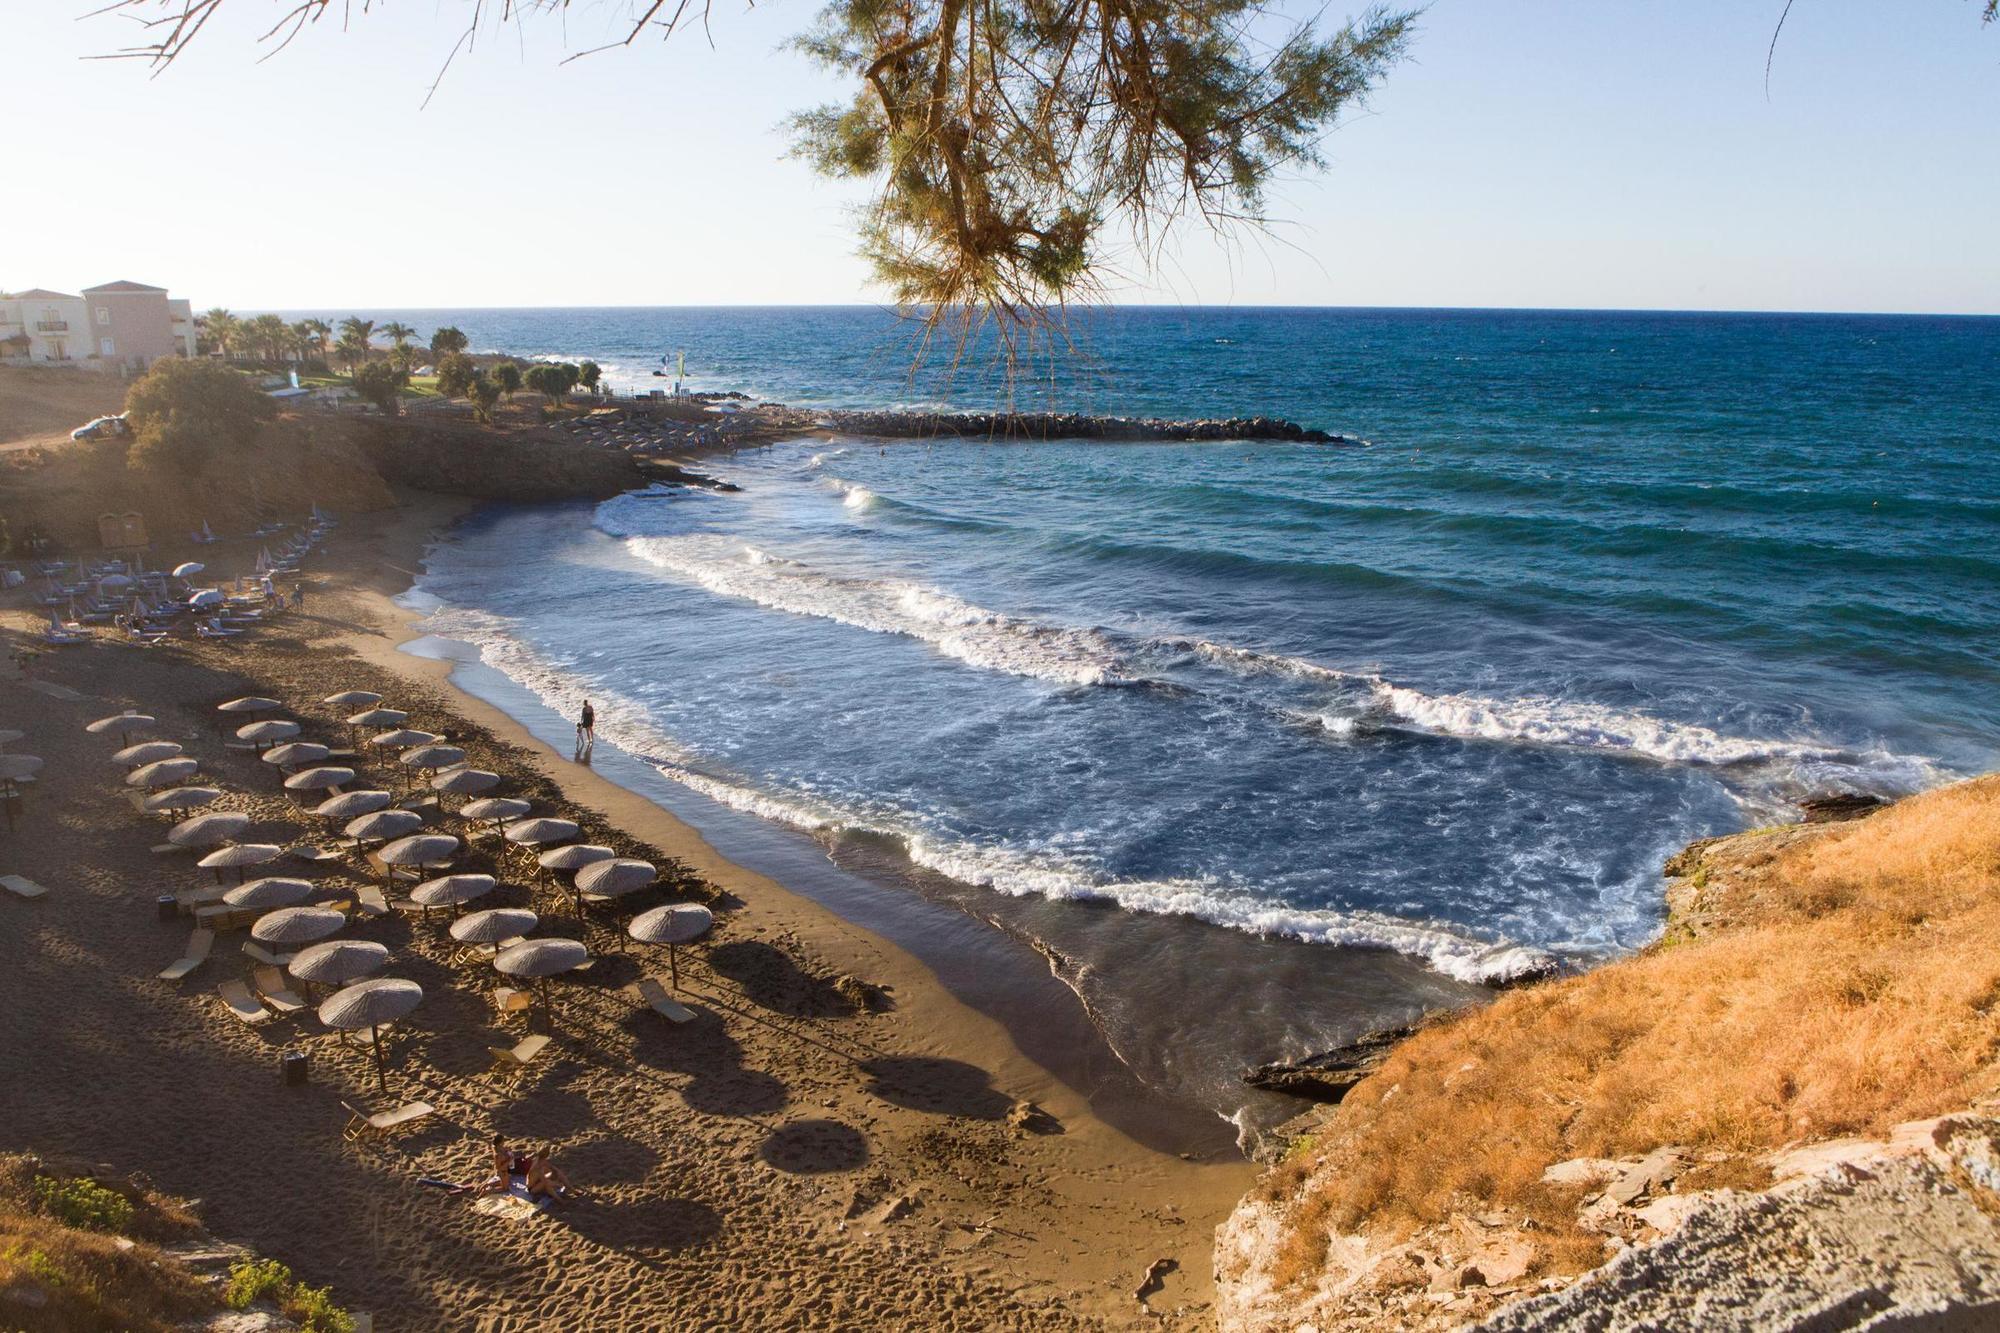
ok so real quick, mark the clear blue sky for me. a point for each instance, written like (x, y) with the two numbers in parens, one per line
(1583, 153)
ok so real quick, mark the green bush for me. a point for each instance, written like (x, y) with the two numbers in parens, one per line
(255, 1280)
(311, 1308)
(83, 1204)
(183, 412)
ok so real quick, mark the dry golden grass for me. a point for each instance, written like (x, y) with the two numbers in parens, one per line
(55, 1277)
(1848, 983)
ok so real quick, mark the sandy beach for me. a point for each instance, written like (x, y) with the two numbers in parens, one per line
(786, 1160)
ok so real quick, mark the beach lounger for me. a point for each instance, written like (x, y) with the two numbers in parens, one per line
(21, 887)
(518, 1057)
(510, 1001)
(653, 993)
(222, 916)
(361, 1124)
(313, 854)
(370, 901)
(190, 899)
(199, 944)
(271, 986)
(241, 1002)
(252, 949)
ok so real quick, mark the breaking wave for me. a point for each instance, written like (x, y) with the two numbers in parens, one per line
(953, 626)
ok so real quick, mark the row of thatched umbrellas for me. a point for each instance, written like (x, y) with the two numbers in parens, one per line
(598, 872)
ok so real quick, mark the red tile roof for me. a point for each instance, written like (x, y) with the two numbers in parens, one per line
(122, 285)
(41, 294)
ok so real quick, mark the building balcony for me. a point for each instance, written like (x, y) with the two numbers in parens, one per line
(52, 326)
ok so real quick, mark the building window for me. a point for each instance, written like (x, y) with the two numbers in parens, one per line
(104, 347)
(103, 314)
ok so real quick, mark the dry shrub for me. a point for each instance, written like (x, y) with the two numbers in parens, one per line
(1851, 991)
(57, 1277)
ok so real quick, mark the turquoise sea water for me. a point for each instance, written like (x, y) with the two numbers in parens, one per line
(1601, 584)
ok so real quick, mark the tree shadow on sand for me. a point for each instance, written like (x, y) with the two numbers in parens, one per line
(936, 1086)
(645, 1227)
(814, 1147)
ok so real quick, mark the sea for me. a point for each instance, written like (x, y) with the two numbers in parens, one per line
(1250, 747)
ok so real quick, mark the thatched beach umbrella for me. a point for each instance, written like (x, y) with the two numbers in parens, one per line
(494, 810)
(268, 732)
(164, 773)
(296, 925)
(538, 960)
(20, 767)
(370, 1005)
(352, 699)
(495, 925)
(187, 569)
(145, 752)
(426, 757)
(337, 962)
(208, 830)
(612, 879)
(123, 725)
(269, 893)
(349, 805)
(379, 717)
(249, 703)
(374, 717)
(420, 849)
(673, 925)
(181, 798)
(238, 857)
(383, 825)
(452, 891)
(296, 754)
(541, 832)
(575, 856)
(319, 779)
(465, 782)
(403, 738)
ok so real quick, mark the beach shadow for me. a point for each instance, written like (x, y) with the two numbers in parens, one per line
(936, 1086)
(773, 980)
(744, 1092)
(645, 1226)
(814, 1147)
(552, 1113)
(608, 1161)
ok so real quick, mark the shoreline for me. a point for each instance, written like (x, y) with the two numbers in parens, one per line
(759, 1158)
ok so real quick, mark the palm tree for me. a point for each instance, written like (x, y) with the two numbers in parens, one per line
(301, 340)
(400, 334)
(321, 334)
(223, 330)
(268, 335)
(354, 335)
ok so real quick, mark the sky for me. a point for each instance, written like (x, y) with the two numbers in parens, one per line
(1539, 153)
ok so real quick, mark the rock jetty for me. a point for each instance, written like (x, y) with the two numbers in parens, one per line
(1072, 426)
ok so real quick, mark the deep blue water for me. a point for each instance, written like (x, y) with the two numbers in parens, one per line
(1603, 583)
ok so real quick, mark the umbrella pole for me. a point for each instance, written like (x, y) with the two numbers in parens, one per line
(674, 964)
(375, 1040)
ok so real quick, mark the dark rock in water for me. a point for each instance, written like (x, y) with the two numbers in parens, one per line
(1839, 805)
(1328, 1076)
(1072, 426)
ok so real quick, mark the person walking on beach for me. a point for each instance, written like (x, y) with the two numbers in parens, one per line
(586, 730)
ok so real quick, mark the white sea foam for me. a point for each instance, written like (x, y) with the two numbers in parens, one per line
(856, 497)
(953, 626)
(1590, 726)
(820, 459)
(1049, 874)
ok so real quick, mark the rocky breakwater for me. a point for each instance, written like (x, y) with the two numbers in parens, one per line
(1073, 426)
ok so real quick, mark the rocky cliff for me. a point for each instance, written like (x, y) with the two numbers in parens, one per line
(1781, 1115)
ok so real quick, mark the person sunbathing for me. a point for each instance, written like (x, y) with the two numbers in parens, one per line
(546, 1180)
(506, 1165)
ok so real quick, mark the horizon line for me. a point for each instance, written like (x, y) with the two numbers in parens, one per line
(1189, 307)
